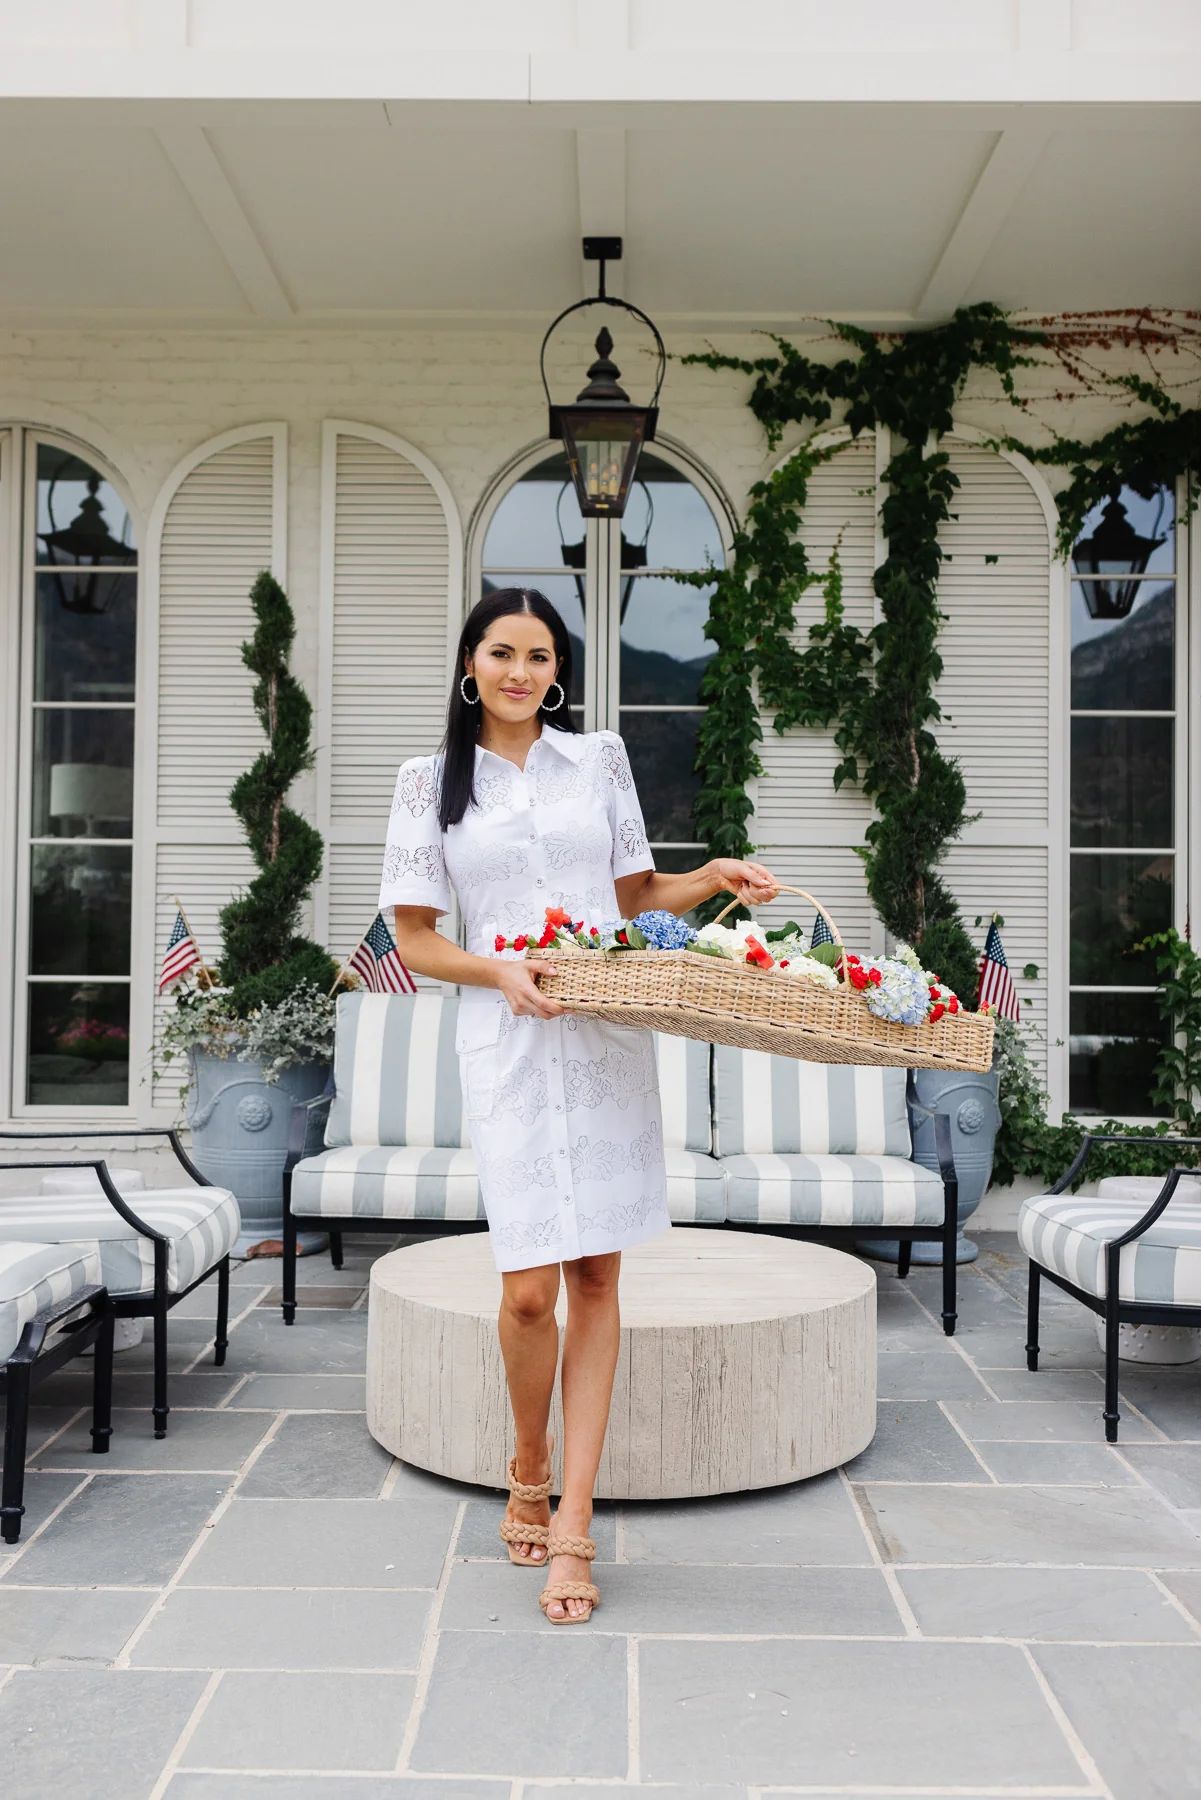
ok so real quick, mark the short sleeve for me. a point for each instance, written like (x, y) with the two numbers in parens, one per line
(414, 872)
(631, 852)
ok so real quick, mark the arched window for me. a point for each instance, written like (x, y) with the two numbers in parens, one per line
(75, 758)
(1128, 812)
(637, 637)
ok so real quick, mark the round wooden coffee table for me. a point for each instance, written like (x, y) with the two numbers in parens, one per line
(745, 1361)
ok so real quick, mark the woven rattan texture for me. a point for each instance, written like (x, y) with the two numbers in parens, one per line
(686, 994)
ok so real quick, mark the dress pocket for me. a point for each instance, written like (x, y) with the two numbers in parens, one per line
(477, 1077)
(476, 1034)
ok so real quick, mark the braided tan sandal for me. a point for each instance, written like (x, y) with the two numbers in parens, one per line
(559, 1544)
(514, 1531)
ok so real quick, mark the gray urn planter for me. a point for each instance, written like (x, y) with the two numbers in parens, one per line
(972, 1102)
(239, 1128)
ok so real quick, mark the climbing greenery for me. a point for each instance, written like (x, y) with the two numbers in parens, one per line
(874, 689)
(264, 959)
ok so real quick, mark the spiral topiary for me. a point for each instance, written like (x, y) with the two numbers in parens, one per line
(264, 958)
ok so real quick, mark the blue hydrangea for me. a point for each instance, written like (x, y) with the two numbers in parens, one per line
(663, 930)
(901, 993)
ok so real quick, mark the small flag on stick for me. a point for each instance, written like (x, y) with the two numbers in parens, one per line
(996, 983)
(821, 932)
(377, 963)
(182, 952)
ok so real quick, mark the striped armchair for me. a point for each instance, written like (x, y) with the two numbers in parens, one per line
(390, 1154)
(824, 1150)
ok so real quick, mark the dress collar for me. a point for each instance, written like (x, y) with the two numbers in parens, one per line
(568, 743)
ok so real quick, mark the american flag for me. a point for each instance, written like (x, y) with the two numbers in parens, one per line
(996, 983)
(377, 962)
(180, 954)
(821, 932)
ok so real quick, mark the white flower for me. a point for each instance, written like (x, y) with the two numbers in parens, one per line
(809, 969)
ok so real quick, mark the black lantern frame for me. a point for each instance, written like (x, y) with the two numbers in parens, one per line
(603, 430)
(1112, 561)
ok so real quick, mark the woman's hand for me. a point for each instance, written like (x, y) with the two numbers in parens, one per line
(754, 884)
(516, 982)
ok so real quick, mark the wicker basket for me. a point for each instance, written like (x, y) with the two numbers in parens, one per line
(724, 1002)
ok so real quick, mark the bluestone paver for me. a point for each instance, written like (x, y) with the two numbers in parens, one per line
(101, 1732)
(298, 1721)
(305, 1628)
(325, 1544)
(1135, 1708)
(319, 1455)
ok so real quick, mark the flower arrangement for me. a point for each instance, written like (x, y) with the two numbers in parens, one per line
(894, 987)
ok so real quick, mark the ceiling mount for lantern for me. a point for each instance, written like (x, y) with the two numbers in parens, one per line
(1115, 557)
(602, 430)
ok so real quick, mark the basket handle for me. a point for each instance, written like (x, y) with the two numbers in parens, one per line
(785, 888)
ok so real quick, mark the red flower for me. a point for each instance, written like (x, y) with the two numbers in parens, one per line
(953, 1004)
(621, 937)
(783, 962)
(937, 1010)
(499, 942)
(875, 977)
(556, 916)
(935, 993)
(595, 932)
(548, 937)
(519, 943)
(858, 978)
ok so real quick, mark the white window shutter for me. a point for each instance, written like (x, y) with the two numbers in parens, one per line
(805, 829)
(219, 521)
(391, 610)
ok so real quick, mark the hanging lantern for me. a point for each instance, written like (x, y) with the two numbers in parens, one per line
(1113, 559)
(603, 430)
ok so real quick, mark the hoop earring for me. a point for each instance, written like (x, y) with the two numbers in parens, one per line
(467, 697)
(558, 703)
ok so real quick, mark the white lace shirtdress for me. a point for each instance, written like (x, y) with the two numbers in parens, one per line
(564, 1113)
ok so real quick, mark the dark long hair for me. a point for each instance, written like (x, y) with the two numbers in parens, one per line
(462, 718)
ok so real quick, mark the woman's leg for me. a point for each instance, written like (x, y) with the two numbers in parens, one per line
(590, 1344)
(529, 1342)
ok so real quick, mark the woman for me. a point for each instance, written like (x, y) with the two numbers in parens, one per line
(521, 812)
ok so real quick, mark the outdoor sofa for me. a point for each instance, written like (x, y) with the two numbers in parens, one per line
(52, 1306)
(752, 1142)
(154, 1245)
(1131, 1252)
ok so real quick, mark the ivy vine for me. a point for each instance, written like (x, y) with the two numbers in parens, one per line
(875, 689)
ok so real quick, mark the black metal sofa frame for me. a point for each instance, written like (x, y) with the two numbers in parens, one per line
(156, 1304)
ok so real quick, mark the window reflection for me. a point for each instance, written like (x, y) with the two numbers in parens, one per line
(78, 1043)
(1114, 1040)
(83, 772)
(81, 519)
(1125, 665)
(84, 653)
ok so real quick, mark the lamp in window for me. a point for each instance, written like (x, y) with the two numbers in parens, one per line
(633, 553)
(1112, 560)
(85, 543)
(603, 430)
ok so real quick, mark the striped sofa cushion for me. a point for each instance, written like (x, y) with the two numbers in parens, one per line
(202, 1224)
(36, 1275)
(683, 1065)
(832, 1190)
(1067, 1233)
(396, 1072)
(414, 1181)
(779, 1104)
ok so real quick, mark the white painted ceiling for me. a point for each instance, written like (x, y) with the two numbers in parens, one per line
(240, 212)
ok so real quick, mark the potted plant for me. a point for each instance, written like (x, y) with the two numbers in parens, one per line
(260, 1036)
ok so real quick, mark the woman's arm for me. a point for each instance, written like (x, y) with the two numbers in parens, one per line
(427, 952)
(651, 889)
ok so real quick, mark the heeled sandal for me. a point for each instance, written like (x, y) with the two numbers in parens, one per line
(515, 1531)
(561, 1545)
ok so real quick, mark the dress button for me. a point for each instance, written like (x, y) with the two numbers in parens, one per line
(554, 1059)
(562, 1153)
(558, 1106)
(533, 837)
(567, 1199)
(538, 882)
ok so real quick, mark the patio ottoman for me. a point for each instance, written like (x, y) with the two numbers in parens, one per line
(745, 1362)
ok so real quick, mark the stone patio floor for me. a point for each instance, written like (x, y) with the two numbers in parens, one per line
(988, 1601)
